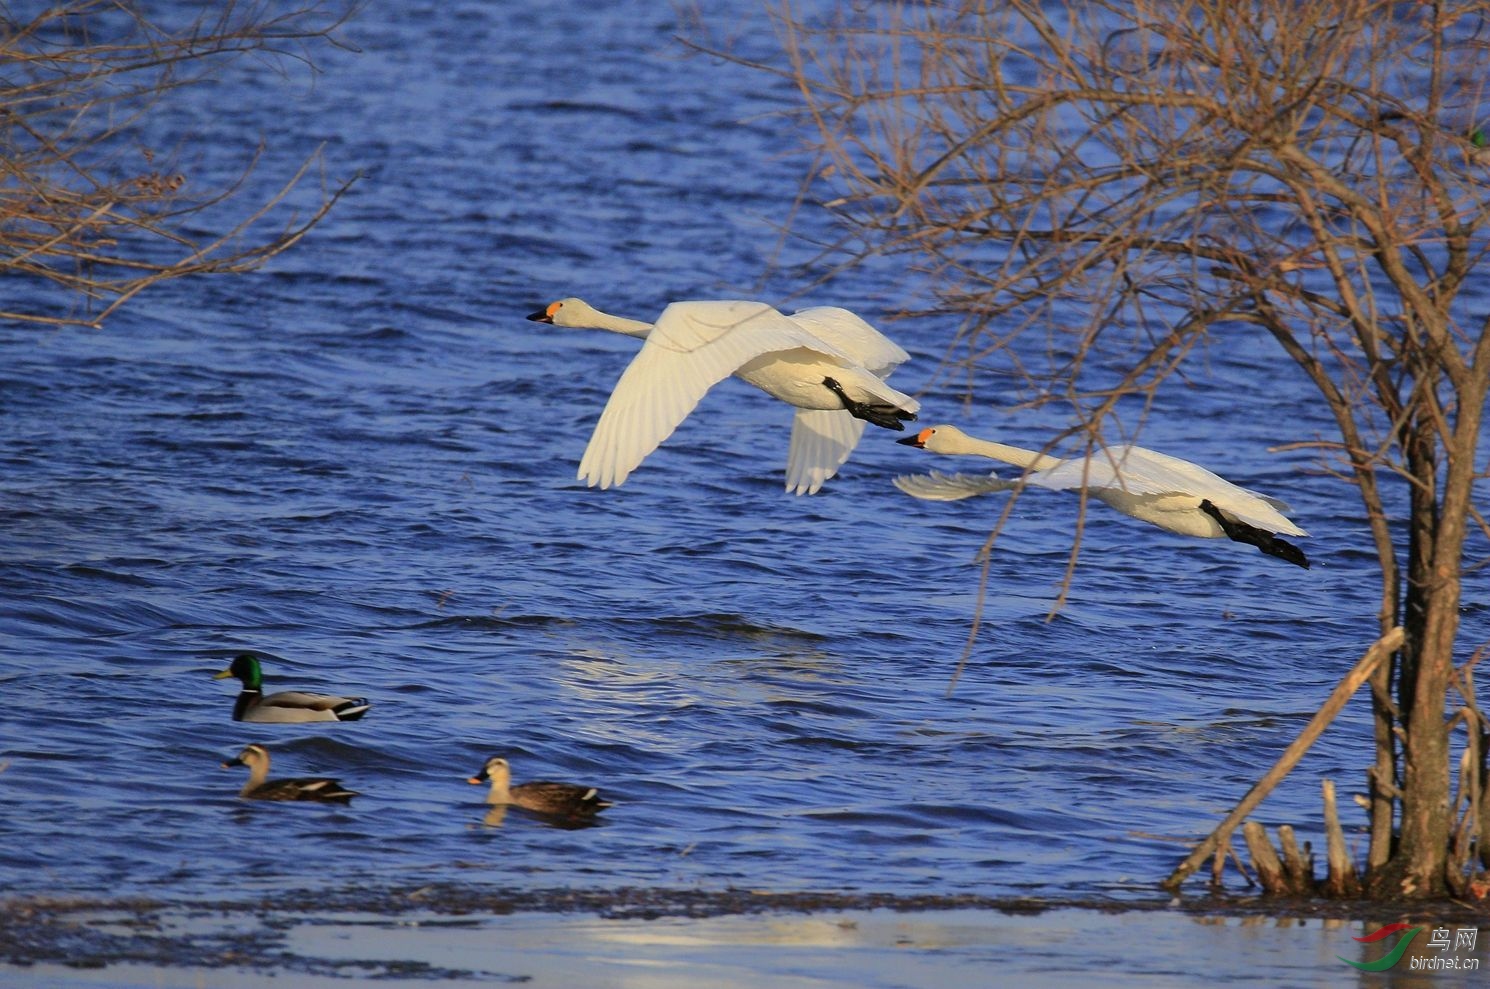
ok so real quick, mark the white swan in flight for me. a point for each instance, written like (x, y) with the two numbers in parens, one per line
(826, 361)
(1166, 491)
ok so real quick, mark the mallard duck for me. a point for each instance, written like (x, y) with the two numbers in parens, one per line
(568, 800)
(287, 706)
(259, 787)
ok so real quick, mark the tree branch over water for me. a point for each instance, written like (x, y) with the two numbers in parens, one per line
(85, 204)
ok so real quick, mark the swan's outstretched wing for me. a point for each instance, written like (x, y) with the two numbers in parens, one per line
(687, 327)
(1255, 509)
(1160, 470)
(1140, 471)
(1123, 467)
(850, 334)
(871, 355)
(693, 346)
(822, 440)
(937, 486)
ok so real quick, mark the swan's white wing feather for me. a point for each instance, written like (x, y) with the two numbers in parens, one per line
(1141, 471)
(1255, 509)
(1161, 473)
(864, 346)
(1112, 467)
(937, 486)
(822, 440)
(881, 389)
(692, 347)
(852, 335)
(1277, 503)
(687, 327)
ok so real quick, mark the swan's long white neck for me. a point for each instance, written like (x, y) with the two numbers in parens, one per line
(620, 324)
(586, 317)
(948, 439)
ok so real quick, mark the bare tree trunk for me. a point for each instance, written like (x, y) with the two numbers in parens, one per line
(1482, 842)
(1382, 778)
(1432, 622)
(1417, 866)
(1382, 782)
(1424, 841)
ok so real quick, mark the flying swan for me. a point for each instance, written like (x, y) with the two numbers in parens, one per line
(825, 361)
(1166, 491)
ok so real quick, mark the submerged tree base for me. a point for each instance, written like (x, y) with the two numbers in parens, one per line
(1288, 870)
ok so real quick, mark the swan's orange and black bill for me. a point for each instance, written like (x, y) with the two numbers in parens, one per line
(919, 440)
(545, 315)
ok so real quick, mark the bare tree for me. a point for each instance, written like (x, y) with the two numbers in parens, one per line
(1192, 173)
(84, 206)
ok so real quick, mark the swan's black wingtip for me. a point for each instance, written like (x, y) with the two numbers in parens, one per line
(1286, 551)
(1252, 535)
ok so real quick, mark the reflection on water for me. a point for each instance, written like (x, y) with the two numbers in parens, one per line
(941, 948)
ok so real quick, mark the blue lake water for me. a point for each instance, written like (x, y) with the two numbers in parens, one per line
(361, 462)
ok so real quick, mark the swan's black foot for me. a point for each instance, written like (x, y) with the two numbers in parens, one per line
(1264, 540)
(888, 416)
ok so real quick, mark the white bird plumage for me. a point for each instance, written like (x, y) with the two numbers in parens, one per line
(827, 362)
(1165, 491)
(937, 486)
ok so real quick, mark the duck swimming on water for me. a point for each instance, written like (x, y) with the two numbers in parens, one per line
(566, 800)
(260, 787)
(286, 706)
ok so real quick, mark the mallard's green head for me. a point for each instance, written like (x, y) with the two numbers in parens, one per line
(246, 668)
